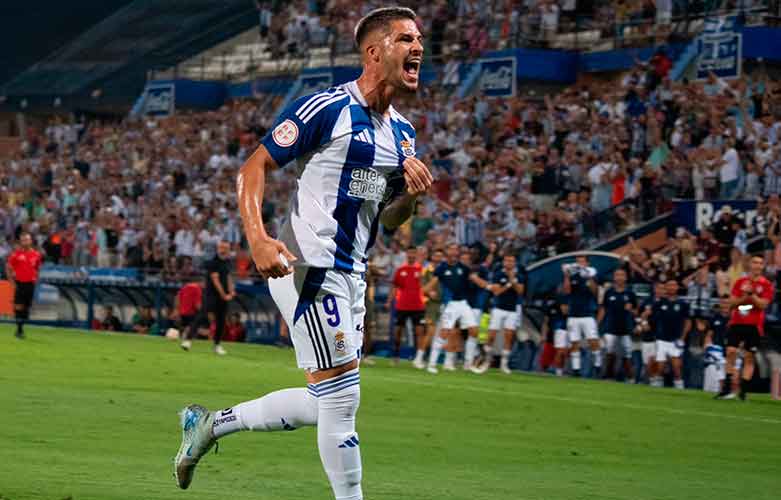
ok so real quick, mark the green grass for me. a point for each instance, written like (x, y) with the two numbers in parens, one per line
(94, 416)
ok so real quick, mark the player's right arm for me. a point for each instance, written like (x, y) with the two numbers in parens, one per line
(305, 125)
(250, 187)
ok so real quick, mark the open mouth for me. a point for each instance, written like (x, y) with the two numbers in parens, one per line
(411, 68)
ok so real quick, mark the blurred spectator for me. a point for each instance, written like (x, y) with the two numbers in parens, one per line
(234, 329)
(110, 321)
(143, 321)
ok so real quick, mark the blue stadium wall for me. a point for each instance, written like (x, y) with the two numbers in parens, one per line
(555, 66)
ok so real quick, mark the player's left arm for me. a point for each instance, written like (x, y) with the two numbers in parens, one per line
(418, 179)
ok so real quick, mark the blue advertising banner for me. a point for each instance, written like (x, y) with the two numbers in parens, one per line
(720, 48)
(497, 77)
(159, 99)
(315, 82)
(695, 215)
(721, 54)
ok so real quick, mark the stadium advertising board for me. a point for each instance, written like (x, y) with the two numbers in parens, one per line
(695, 215)
(159, 99)
(720, 49)
(497, 77)
(315, 82)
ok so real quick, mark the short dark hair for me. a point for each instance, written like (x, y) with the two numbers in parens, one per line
(379, 18)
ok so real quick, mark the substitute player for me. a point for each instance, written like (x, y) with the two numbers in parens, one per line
(433, 306)
(408, 301)
(555, 326)
(580, 286)
(645, 329)
(454, 278)
(22, 270)
(750, 296)
(616, 314)
(506, 288)
(671, 318)
(356, 166)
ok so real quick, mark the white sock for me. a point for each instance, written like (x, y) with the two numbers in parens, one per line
(470, 351)
(597, 357)
(678, 383)
(559, 372)
(505, 358)
(450, 359)
(436, 350)
(287, 410)
(337, 403)
(419, 355)
(575, 359)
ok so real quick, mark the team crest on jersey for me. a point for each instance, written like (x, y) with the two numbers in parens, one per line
(339, 343)
(285, 134)
(407, 149)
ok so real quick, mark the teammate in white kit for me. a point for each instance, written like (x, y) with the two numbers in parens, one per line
(356, 166)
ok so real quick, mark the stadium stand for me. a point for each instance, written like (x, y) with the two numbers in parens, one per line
(538, 175)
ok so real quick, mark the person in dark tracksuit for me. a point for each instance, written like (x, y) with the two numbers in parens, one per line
(219, 290)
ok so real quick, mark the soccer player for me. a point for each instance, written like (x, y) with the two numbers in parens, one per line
(356, 166)
(506, 288)
(671, 318)
(477, 293)
(749, 297)
(555, 323)
(617, 311)
(646, 330)
(22, 270)
(219, 291)
(433, 306)
(454, 278)
(581, 287)
(409, 300)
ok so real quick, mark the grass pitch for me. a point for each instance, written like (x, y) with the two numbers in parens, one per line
(94, 416)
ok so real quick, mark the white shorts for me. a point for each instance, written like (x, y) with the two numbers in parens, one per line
(560, 339)
(648, 352)
(502, 319)
(666, 350)
(458, 311)
(324, 310)
(582, 328)
(612, 341)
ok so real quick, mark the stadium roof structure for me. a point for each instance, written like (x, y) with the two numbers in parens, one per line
(110, 45)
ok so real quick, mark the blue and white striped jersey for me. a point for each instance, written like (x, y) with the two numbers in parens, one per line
(349, 161)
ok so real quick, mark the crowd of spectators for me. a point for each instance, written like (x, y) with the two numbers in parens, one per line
(530, 175)
(535, 175)
(469, 27)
